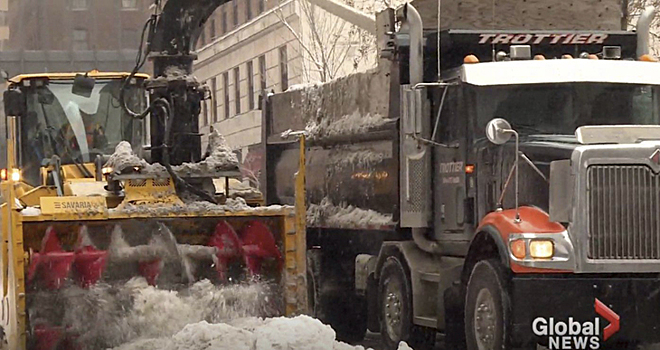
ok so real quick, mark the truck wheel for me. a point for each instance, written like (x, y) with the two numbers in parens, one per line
(486, 308)
(396, 314)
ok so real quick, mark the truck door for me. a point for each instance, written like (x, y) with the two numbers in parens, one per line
(449, 168)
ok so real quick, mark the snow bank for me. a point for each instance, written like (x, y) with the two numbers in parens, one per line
(298, 333)
(348, 125)
(326, 214)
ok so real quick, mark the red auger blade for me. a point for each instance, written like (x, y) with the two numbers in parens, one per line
(89, 262)
(150, 270)
(259, 245)
(229, 247)
(53, 262)
(47, 338)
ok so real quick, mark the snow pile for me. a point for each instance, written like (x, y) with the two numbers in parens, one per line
(348, 125)
(404, 346)
(221, 158)
(196, 208)
(31, 211)
(107, 316)
(124, 158)
(304, 86)
(298, 333)
(327, 214)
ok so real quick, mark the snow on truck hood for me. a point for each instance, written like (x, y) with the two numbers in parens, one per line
(561, 71)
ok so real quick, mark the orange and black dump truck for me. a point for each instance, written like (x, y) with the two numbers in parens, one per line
(509, 201)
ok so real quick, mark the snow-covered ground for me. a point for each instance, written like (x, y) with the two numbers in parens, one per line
(136, 316)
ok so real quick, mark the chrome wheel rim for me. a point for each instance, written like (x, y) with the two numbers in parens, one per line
(393, 310)
(485, 320)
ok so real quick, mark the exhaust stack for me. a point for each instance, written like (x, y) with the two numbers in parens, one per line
(643, 30)
(416, 28)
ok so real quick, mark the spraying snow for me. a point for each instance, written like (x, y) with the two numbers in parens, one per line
(106, 316)
(348, 125)
(327, 214)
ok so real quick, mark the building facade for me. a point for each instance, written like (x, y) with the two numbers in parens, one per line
(71, 35)
(254, 46)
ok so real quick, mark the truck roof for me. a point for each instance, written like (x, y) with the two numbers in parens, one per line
(561, 71)
(71, 75)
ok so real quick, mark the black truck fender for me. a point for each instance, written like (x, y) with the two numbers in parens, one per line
(486, 244)
(431, 275)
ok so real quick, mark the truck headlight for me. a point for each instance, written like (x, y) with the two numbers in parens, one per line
(541, 249)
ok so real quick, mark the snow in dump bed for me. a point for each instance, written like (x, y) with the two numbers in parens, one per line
(327, 214)
(348, 125)
(346, 157)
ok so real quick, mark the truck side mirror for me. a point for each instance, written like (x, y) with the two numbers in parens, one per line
(14, 103)
(498, 131)
(83, 85)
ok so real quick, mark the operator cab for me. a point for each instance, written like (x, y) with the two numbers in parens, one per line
(76, 117)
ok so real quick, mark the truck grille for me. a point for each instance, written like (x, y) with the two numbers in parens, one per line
(623, 208)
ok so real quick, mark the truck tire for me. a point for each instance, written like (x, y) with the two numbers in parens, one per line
(487, 308)
(396, 314)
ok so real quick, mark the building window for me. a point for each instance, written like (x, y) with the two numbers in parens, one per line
(250, 78)
(129, 4)
(225, 82)
(213, 29)
(262, 72)
(261, 5)
(202, 37)
(80, 40)
(284, 71)
(224, 21)
(248, 9)
(234, 4)
(214, 106)
(205, 112)
(237, 89)
(129, 38)
(79, 5)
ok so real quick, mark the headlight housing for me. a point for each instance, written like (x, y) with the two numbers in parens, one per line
(542, 250)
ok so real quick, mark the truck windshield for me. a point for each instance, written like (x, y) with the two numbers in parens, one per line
(558, 109)
(74, 127)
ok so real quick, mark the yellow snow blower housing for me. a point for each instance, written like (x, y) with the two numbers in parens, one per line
(83, 208)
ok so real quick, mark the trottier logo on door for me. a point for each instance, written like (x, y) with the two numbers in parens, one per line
(574, 334)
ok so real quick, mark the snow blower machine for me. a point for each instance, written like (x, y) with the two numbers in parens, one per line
(106, 182)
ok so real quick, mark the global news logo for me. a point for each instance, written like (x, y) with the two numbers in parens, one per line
(574, 335)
